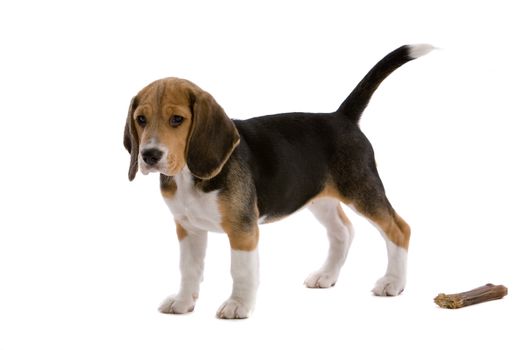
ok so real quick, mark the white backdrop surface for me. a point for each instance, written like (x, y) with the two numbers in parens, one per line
(86, 256)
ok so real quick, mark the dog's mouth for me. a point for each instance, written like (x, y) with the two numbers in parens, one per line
(146, 169)
(158, 167)
(167, 170)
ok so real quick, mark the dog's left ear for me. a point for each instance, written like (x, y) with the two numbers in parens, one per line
(131, 140)
(212, 137)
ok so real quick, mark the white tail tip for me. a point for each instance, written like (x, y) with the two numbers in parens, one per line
(420, 50)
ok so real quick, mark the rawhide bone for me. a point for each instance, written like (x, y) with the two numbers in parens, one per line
(475, 296)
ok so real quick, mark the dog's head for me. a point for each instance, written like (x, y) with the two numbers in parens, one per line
(172, 123)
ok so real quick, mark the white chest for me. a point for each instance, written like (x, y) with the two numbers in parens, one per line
(194, 208)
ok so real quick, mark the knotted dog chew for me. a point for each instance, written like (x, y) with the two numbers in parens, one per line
(475, 296)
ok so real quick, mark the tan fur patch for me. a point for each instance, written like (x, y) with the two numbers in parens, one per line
(242, 235)
(181, 232)
(330, 190)
(244, 241)
(168, 186)
(395, 228)
(405, 232)
(239, 213)
(342, 215)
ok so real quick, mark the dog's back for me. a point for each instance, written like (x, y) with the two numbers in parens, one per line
(294, 157)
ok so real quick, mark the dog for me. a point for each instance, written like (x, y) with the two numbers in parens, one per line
(224, 175)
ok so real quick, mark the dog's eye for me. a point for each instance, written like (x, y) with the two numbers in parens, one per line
(141, 120)
(176, 120)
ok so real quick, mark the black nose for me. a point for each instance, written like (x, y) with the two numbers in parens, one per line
(151, 156)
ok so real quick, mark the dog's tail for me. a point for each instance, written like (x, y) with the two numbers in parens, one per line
(358, 99)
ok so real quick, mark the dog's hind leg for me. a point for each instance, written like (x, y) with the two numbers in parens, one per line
(396, 233)
(340, 234)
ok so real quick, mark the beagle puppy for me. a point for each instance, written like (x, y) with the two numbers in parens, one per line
(224, 175)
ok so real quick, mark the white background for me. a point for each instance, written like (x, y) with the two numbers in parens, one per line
(86, 256)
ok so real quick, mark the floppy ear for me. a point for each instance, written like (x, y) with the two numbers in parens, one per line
(212, 137)
(131, 140)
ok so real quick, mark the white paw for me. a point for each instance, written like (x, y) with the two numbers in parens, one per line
(321, 279)
(233, 309)
(177, 305)
(389, 286)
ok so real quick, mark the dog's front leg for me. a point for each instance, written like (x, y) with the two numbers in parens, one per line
(192, 251)
(245, 275)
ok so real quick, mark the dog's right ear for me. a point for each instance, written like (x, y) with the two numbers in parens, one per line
(131, 140)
